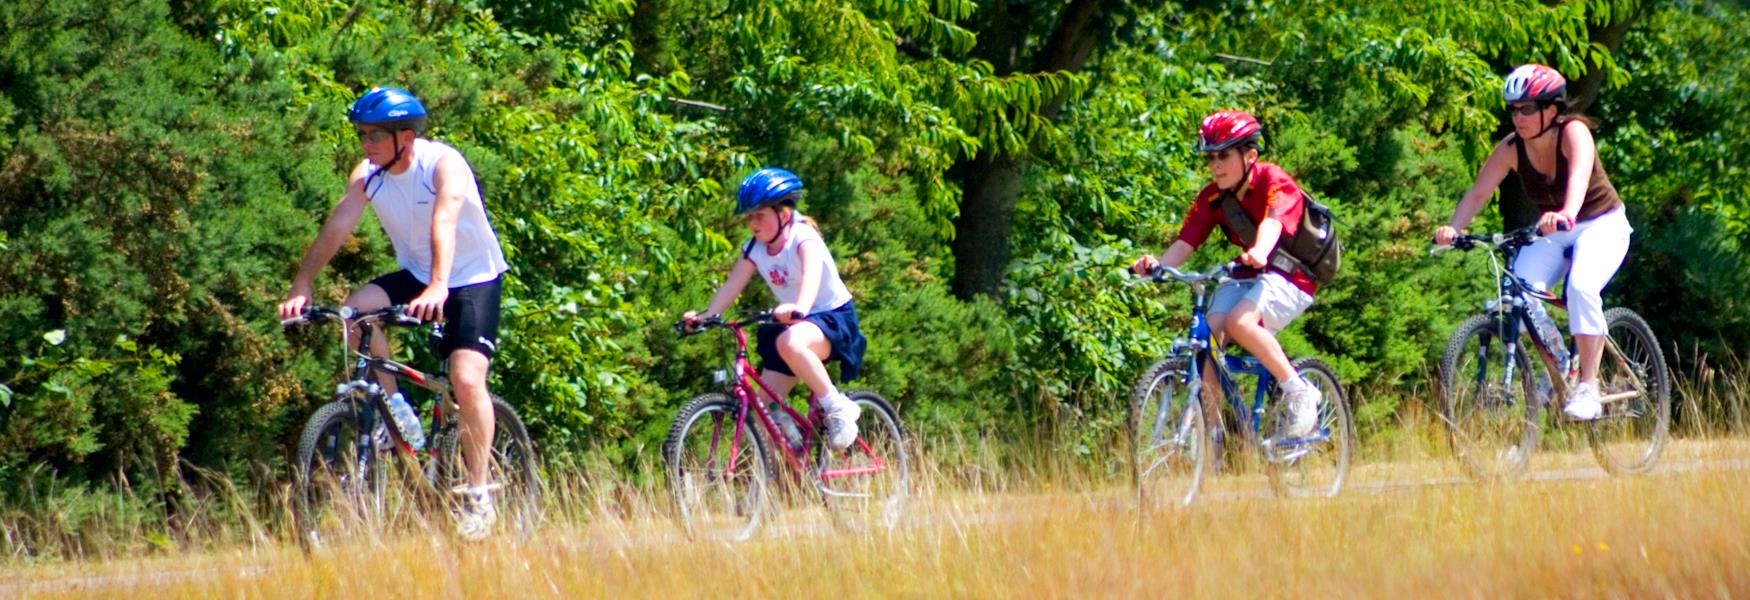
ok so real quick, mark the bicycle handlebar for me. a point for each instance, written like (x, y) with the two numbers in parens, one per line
(394, 316)
(1517, 238)
(1165, 274)
(717, 321)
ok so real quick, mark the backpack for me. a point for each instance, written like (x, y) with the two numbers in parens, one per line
(1314, 248)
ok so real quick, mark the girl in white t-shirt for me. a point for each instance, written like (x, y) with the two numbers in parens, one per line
(817, 322)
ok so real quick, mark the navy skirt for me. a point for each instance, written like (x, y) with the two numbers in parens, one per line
(840, 327)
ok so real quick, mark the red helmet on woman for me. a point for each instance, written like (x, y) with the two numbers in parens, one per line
(1226, 129)
(1535, 83)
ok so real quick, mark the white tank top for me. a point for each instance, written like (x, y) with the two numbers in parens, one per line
(404, 203)
(783, 271)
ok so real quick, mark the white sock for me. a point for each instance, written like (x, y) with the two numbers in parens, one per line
(832, 397)
(1296, 384)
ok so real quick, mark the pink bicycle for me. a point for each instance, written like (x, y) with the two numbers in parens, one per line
(720, 469)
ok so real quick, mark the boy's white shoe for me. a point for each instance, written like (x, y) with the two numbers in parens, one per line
(841, 420)
(1303, 406)
(1583, 404)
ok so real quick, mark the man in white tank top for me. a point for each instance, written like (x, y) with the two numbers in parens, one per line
(430, 206)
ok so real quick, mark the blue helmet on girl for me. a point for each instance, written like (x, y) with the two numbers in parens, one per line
(767, 186)
(391, 108)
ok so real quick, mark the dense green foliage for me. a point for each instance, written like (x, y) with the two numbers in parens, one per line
(165, 165)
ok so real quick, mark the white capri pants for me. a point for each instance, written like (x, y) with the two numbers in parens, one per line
(1599, 246)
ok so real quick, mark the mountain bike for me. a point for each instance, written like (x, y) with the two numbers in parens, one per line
(1491, 396)
(346, 455)
(720, 469)
(1173, 428)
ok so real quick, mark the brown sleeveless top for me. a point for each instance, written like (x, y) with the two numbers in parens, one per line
(1549, 194)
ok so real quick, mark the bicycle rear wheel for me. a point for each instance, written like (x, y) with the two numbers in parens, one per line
(718, 479)
(511, 470)
(1636, 388)
(1492, 421)
(1169, 437)
(340, 477)
(866, 486)
(1318, 464)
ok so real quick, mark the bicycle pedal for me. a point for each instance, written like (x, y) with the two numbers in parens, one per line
(822, 488)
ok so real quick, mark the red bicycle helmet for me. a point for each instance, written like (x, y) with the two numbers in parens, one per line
(1535, 83)
(1226, 129)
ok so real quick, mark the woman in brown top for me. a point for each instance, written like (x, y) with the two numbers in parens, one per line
(1582, 216)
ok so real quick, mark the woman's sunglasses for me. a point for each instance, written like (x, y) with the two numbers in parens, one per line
(1526, 110)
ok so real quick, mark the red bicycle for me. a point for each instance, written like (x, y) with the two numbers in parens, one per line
(720, 470)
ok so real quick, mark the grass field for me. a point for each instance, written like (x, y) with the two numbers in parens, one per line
(1404, 528)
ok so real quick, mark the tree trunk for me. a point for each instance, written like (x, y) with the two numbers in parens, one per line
(990, 183)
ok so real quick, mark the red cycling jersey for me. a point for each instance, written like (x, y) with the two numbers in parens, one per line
(1272, 192)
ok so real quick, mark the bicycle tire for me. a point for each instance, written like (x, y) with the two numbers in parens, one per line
(879, 497)
(1167, 472)
(329, 477)
(514, 469)
(1304, 470)
(1492, 435)
(707, 505)
(1641, 424)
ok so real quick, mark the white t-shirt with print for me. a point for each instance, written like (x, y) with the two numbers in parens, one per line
(404, 205)
(783, 270)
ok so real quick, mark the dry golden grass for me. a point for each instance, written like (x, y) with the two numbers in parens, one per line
(1682, 534)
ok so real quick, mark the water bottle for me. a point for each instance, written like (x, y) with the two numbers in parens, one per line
(406, 421)
(1547, 331)
(792, 435)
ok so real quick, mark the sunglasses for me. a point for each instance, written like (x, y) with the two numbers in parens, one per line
(1222, 156)
(374, 136)
(1525, 110)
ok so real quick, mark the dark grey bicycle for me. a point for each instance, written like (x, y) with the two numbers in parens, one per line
(349, 445)
(1491, 395)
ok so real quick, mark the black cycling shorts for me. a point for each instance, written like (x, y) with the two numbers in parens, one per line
(470, 313)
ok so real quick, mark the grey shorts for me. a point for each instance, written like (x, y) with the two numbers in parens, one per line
(1278, 300)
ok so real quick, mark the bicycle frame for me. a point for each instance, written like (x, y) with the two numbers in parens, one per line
(1198, 348)
(362, 382)
(750, 391)
(1511, 299)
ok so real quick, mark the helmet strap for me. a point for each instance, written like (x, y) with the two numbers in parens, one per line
(1545, 125)
(399, 150)
(1245, 177)
(782, 227)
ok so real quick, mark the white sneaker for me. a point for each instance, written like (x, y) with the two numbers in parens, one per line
(474, 522)
(841, 420)
(1583, 404)
(1303, 407)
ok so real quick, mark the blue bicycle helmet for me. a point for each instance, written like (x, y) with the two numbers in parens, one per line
(390, 108)
(767, 186)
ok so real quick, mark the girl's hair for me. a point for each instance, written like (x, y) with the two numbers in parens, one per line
(800, 218)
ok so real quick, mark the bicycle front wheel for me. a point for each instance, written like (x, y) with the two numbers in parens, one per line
(1169, 437)
(1635, 387)
(1490, 413)
(1317, 464)
(340, 480)
(866, 485)
(716, 471)
(511, 470)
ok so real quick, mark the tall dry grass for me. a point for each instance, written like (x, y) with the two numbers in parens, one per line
(1675, 535)
(988, 518)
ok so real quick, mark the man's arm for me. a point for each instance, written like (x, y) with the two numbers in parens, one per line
(452, 179)
(339, 226)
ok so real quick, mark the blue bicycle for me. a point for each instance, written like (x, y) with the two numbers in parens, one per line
(1176, 431)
